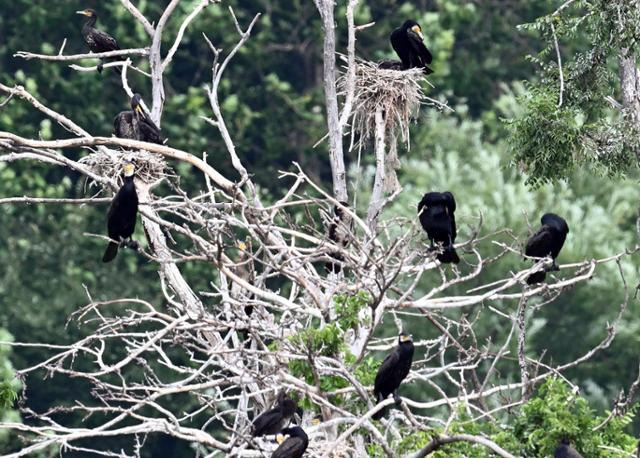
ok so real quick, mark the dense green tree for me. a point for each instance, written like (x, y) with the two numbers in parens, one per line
(571, 118)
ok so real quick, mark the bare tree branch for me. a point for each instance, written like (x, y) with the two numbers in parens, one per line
(335, 131)
(135, 12)
(90, 55)
(437, 442)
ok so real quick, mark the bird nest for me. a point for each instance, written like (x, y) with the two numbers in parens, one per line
(149, 167)
(397, 93)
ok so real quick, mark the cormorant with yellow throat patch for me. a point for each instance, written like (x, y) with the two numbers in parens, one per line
(408, 42)
(393, 370)
(292, 447)
(136, 124)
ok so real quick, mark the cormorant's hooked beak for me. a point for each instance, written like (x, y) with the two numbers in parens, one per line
(405, 338)
(279, 438)
(418, 31)
(84, 13)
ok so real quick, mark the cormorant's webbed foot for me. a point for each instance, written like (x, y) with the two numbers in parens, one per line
(397, 398)
(133, 244)
(554, 267)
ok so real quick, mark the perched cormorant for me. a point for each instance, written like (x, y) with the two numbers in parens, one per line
(392, 372)
(135, 124)
(292, 447)
(121, 218)
(408, 43)
(339, 233)
(547, 241)
(126, 125)
(97, 40)
(273, 420)
(436, 212)
(565, 450)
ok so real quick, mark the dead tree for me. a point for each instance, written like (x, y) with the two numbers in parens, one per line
(239, 340)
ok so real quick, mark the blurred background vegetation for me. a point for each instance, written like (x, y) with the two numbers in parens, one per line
(272, 99)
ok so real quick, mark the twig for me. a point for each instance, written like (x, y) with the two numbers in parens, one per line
(561, 74)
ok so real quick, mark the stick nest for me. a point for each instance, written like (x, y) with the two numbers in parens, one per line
(397, 92)
(149, 167)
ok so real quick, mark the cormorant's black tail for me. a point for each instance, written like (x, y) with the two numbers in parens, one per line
(117, 69)
(536, 277)
(448, 255)
(111, 252)
(379, 414)
(334, 267)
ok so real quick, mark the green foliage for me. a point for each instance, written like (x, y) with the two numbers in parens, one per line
(348, 307)
(325, 341)
(415, 441)
(375, 451)
(7, 395)
(549, 140)
(8, 384)
(555, 412)
(367, 369)
(329, 341)
(546, 139)
(9, 387)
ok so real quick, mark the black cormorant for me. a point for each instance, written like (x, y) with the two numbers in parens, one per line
(97, 40)
(547, 241)
(126, 125)
(408, 43)
(436, 212)
(121, 218)
(273, 420)
(565, 450)
(292, 447)
(135, 124)
(392, 372)
(391, 65)
(339, 233)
